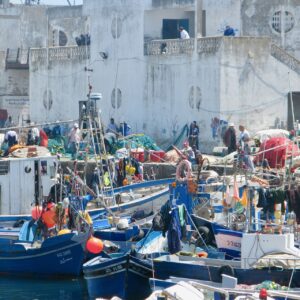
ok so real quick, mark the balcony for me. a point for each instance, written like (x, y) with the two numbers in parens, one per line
(17, 59)
(169, 47)
(60, 53)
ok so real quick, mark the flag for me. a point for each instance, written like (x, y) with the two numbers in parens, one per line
(244, 200)
(235, 191)
(227, 196)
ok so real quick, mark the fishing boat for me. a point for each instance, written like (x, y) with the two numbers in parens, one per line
(213, 291)
(57, 255)
(263, 257)
(122, 274)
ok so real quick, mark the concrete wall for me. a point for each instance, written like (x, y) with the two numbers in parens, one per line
(119, 33)
(220, 13)
(61, 83)
(257, 17)
(254, 85)
(14, 91)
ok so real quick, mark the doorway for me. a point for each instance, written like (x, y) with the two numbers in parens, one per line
(170, 29)
(294, 98)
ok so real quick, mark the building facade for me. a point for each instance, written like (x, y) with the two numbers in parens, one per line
(158, 83)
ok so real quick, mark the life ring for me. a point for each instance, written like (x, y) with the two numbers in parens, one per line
(226, 270)
(183, 167)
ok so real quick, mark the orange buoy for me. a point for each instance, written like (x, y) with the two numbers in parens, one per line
(202, 254)
(94, 245)
(36, 212)
(49, 216)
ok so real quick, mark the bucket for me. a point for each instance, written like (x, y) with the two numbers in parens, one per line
(138, 154)
(156, 156)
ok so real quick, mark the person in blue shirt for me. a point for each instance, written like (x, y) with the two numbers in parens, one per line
(229, 31)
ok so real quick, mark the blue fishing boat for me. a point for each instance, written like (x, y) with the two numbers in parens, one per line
(106, 276)
(57, 255)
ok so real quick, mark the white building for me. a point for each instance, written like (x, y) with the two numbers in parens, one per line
(158, 83)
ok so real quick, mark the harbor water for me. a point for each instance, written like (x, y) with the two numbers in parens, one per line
(42, 289)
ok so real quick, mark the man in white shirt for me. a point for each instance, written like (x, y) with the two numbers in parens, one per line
(183, 33)
(74, 140)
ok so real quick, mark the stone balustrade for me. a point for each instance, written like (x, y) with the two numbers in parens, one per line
(60, 53)
(169, 47)
(209, 44)
(283, 56)
(177, 46)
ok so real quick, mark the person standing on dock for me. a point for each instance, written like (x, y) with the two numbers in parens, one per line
(230, 138)
(194, 135)
(74, 140)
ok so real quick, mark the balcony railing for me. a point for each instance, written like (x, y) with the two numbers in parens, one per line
(209, 44)
(169, 47)
(61, 53)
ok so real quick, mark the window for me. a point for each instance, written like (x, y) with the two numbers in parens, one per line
(116, 27)
(4, 167)
(283, 19)
(116, 98)
(62, 39)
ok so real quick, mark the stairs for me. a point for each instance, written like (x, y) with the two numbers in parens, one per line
(283, 56)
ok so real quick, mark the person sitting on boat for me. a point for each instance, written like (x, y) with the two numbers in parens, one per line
(197, 154)
(74, 140)
(11, 138)
(188, 151)
(33, 135)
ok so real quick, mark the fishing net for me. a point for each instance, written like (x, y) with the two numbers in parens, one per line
(138, 141)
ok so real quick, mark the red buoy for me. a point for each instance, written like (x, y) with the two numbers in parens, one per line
(94, 245)
(36, 212)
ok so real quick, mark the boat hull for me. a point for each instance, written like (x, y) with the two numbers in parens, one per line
(106, 278)
(166, 269)
(61, 255)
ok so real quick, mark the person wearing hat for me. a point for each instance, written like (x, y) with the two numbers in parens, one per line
(230, 138)
(74, 140)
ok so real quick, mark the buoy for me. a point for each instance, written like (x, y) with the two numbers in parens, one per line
(202, 254)
(64, 231)
(125, 181)
(263, 294)
(36, 212)
(94, 245)
(131, 170)
(49, 216)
